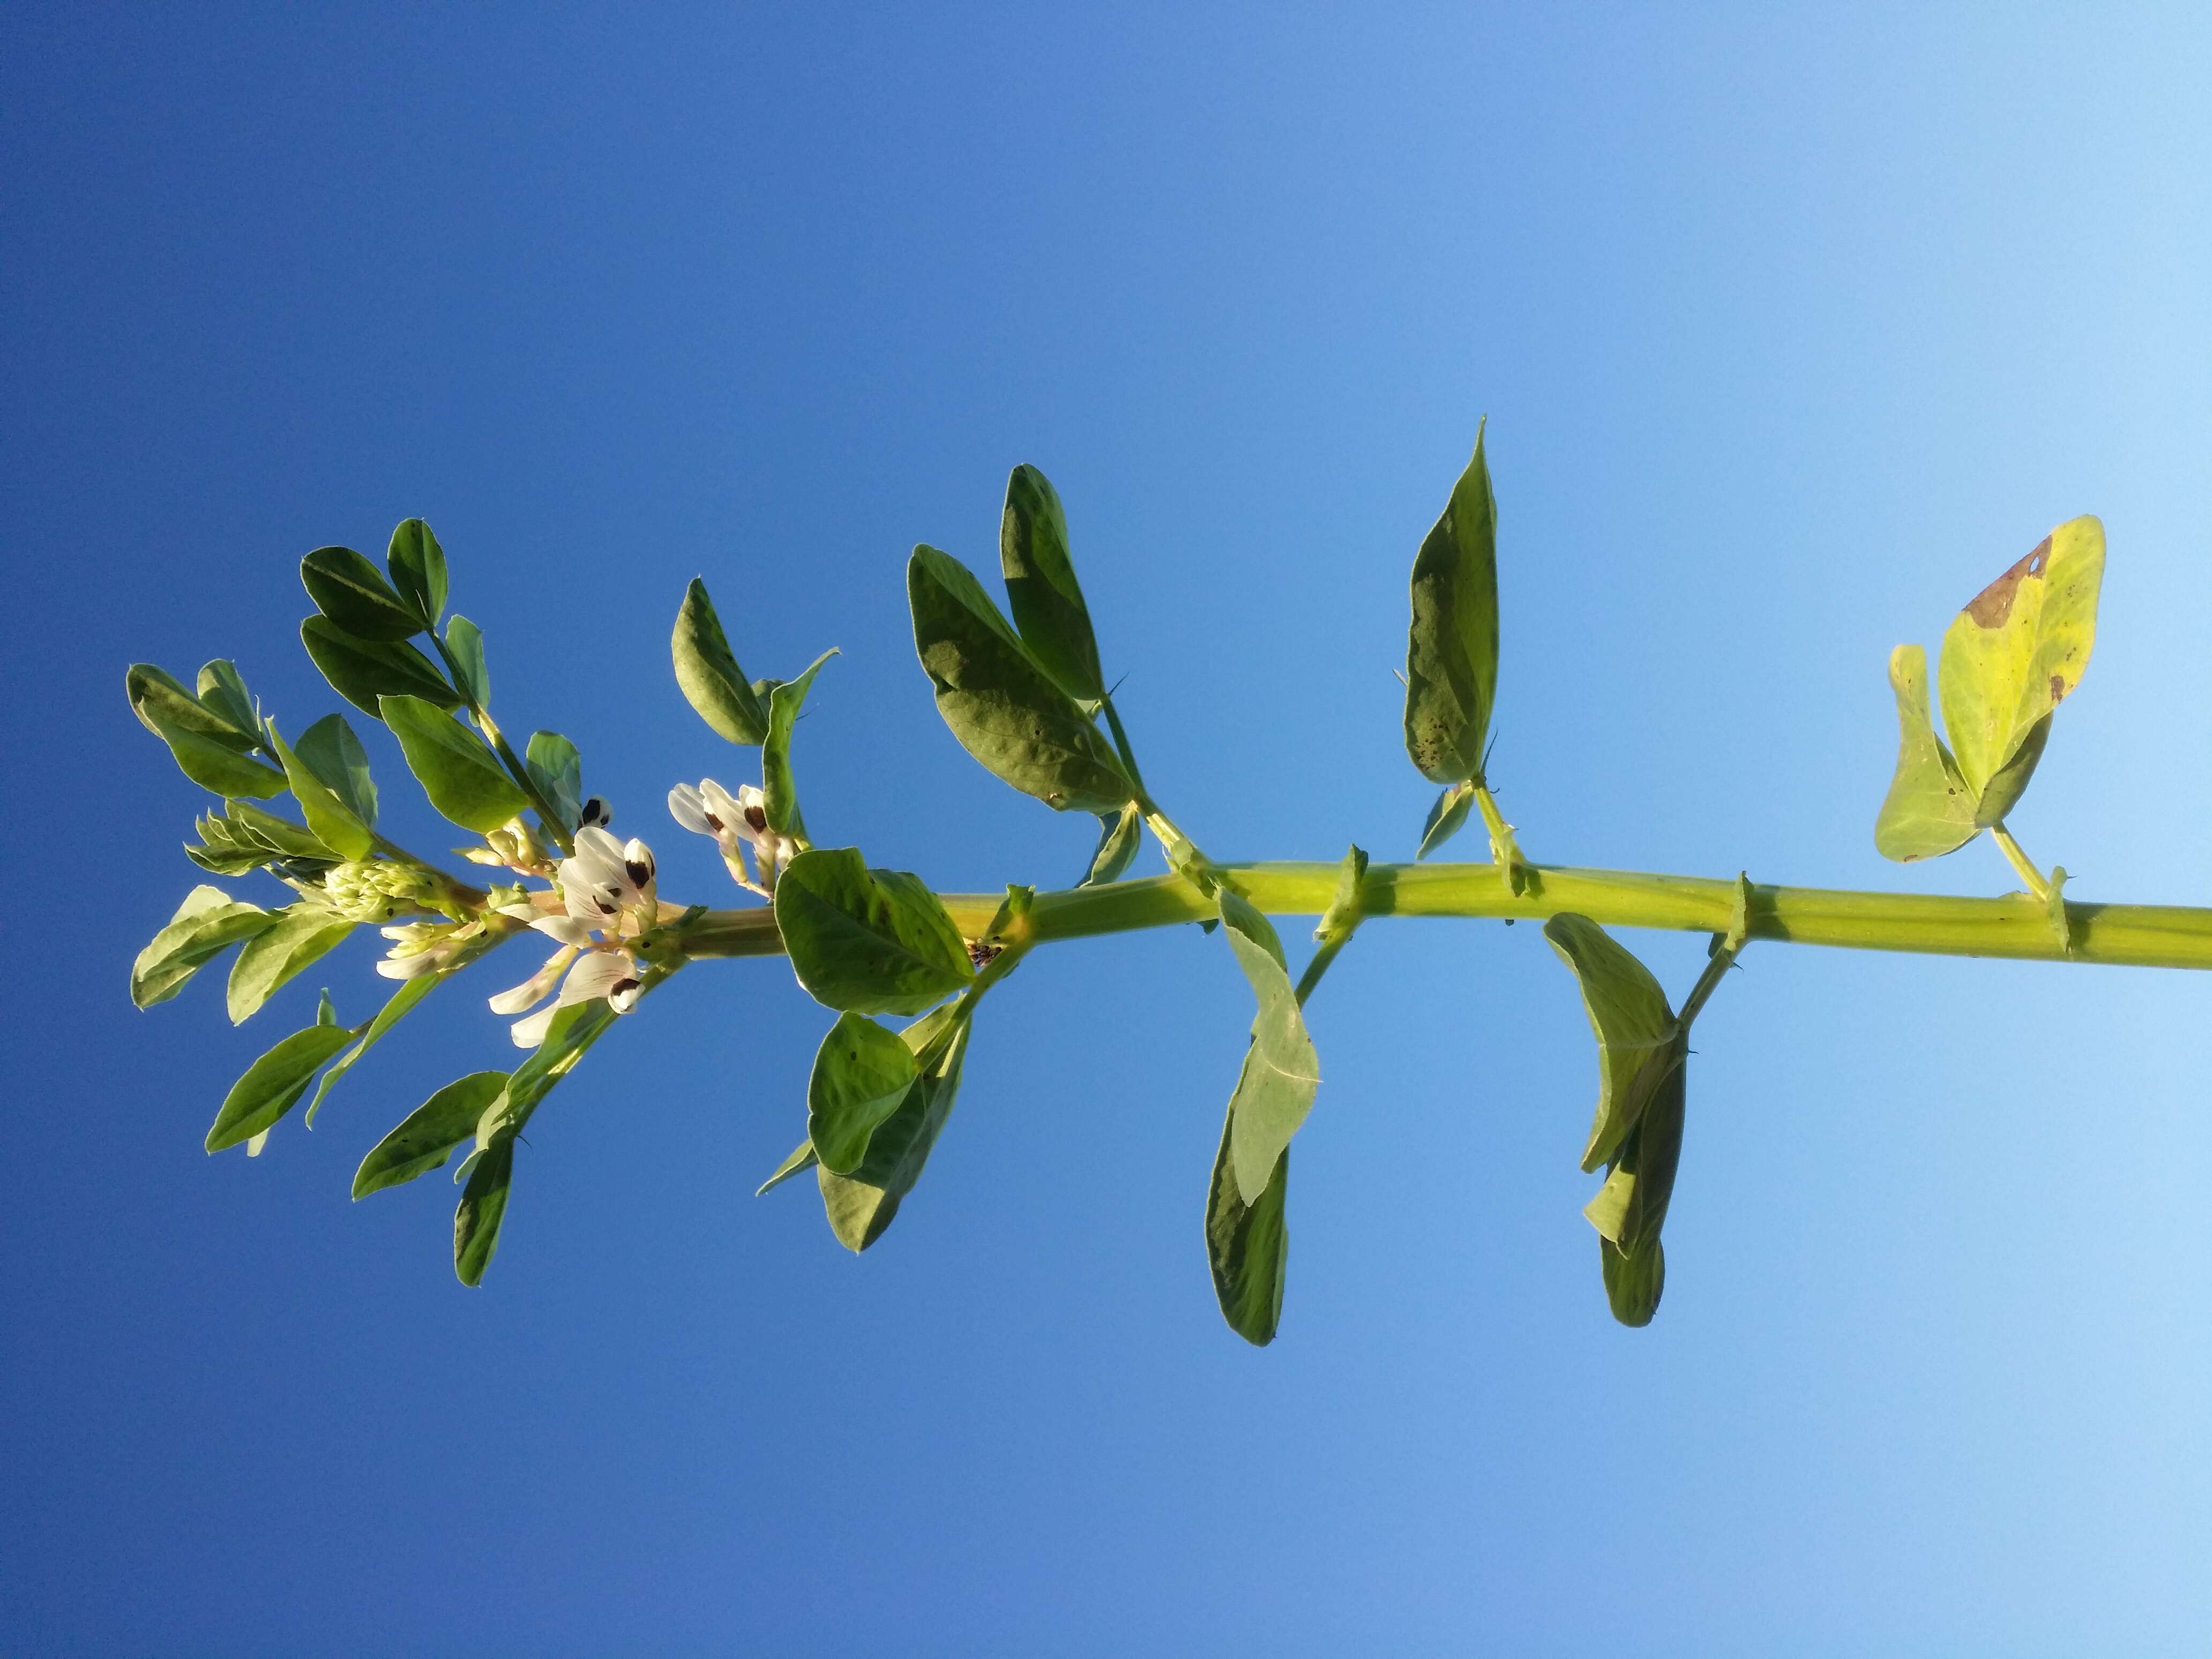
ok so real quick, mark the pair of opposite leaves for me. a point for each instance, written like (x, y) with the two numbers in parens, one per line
(2009, 659)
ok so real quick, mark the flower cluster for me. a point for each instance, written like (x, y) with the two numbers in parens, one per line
(375, 890)
(605, 899)
(736, 822)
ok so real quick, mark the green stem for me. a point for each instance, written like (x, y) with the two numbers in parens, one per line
(2021, 862)
(515, 769)
(2140, 935)
(1121, 743)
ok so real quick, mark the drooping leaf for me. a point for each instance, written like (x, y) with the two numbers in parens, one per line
(396, 1008)
(353, 593)
(272, 1085)
(301, 936)
(209, 748)
(2014, 654)
(426, 1137)
(1631, 1017)
(802, 1159)
(1929, 809)
(1120, 835)
(465, 641)
(1632, 1206)
(867, 941)
(327, 813)
(862, 1075)
(460, 774)
(557, 770)
(1633, 1282)
(483, 1208)
(365, 671)
(1247, 1246)
(1451, 649)
(861, 1205)
(1281, 1072)
(208, 922)
(1445, 817)
(1001, 705)
(779, 788)
(1041, 587)
(708, 673)
(417, 565)
(222, 690)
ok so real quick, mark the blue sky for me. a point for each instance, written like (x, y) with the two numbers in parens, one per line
(1792, 333)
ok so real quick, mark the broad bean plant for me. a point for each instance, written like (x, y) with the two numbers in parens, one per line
(1024, 689)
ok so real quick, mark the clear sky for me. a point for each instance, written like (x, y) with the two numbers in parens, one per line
(1791, 334)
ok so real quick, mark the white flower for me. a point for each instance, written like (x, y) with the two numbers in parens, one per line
(608, 885)
(612, 973)
(606, 894)
(707, 809)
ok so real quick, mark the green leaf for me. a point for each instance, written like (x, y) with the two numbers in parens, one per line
(557, 770)
(396, 1008)
(1633, 1282)
(417, 565)
(426, 1137)
(861, 1205)
(481, 1209)
(1005, 710)
(2014, 654)
(708, 673)
(301, 935)
(209, 749)
(353, 593)
(465, 641)
(867, 941)
(1451, 650)
(862, 1075)
(779, 789)
(1929, 809)
(1445, 817)
(1633, 1023)
(1281, 1073)
(208, 922)
(272, 1085)
(1630, 1209)
(460, 774)
(1120, 835)
(364, 671)
(802, 1159)
(328, 815)
(333, 754)
(1247, 1245)
(280, 837)
(222, 690)
(1041, 589)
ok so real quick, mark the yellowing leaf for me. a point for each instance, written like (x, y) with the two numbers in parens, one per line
(1929, 810)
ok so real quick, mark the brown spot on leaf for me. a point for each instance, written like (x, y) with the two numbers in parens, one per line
(1989, 607)
(2057, 688)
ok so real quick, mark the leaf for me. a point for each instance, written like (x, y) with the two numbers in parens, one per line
(779, 789)
(301, 935)
(207, 748)
(396, 1008)
(328, 816)
(1005, 710)
(802, 1159)
(1631, 1208)
(1629, 1015)
(353, 593)
(417, 565)
(1041, 587)
(1281, 1073)
(867, 941)
(272, 1085)
(481, 1209)
(708, 673)
(333, 754)
(1120, 835)
(861, 1205)
(458, 774)
(1929, 809)
(208, 922)
(280, 837)
(426, 1137)
(862, 1075)
(364, 671)
(473, 680)
(1445, 817)
(1451, 649)
(2014, 654)
(1633, 1282)
(222, 690)
(1247, 1245)
(557, 770)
